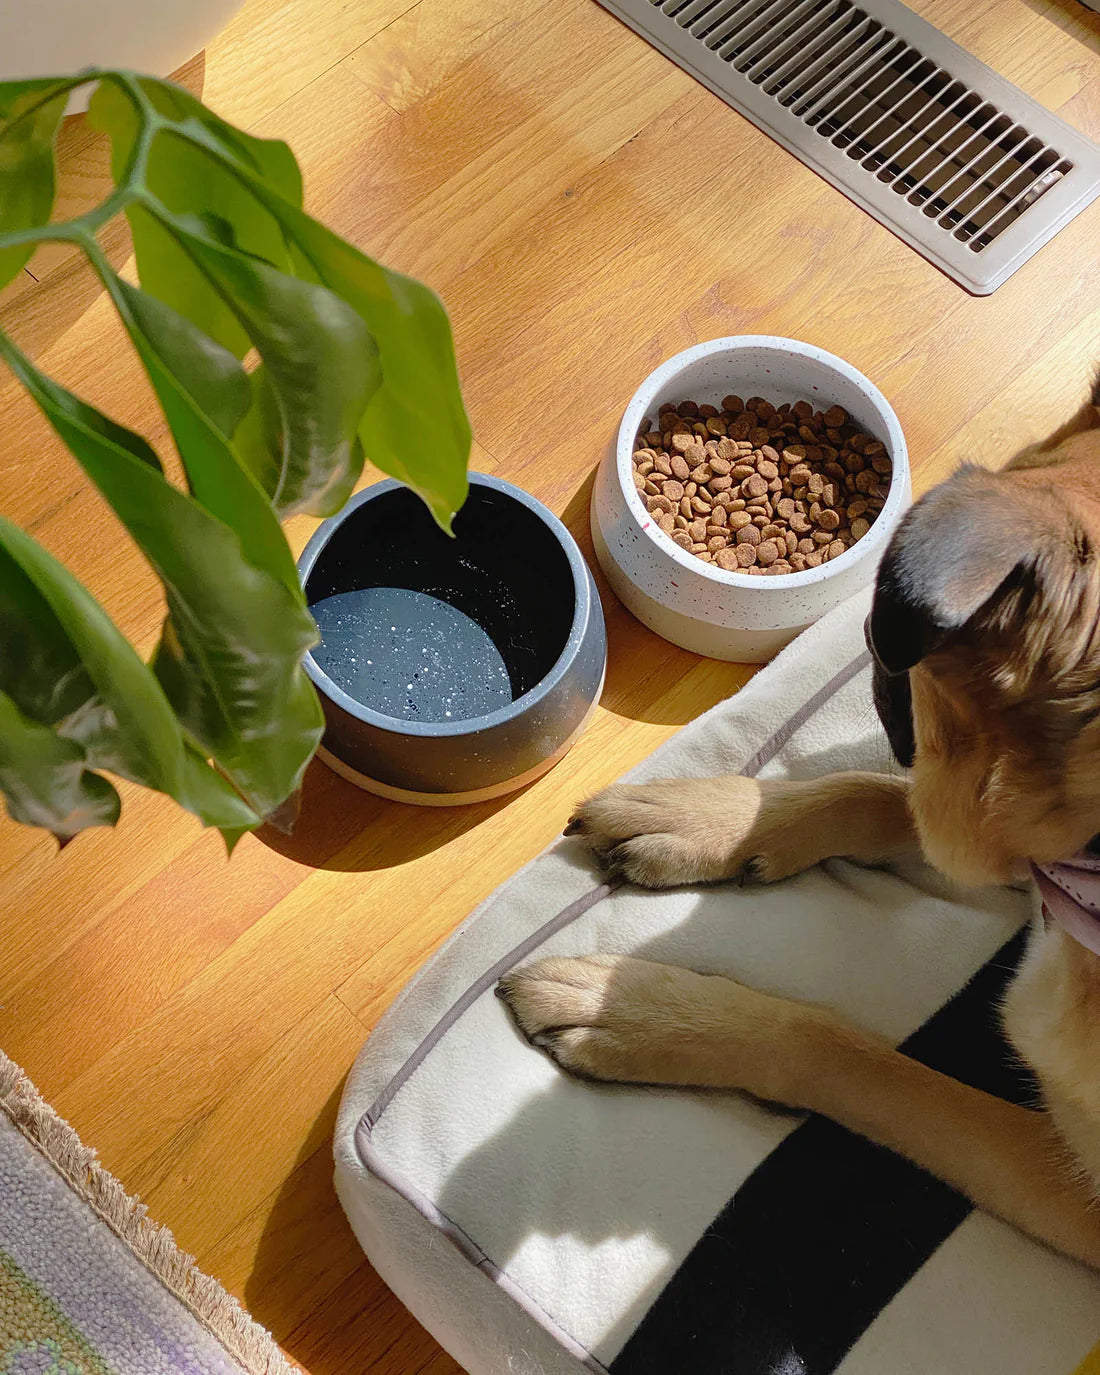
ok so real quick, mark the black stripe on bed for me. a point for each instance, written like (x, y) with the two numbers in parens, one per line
(828, 1228)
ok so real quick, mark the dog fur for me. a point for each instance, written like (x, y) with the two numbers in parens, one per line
(986, 637)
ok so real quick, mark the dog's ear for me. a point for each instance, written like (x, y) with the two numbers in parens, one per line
(962, 543)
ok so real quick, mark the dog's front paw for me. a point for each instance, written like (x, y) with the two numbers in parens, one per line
(559, 1005)
(635, 1021)
(689, 830)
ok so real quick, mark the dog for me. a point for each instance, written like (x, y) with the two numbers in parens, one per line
(985, 639)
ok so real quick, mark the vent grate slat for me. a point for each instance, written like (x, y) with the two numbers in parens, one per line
(908, 128)
(715, 20)
(813, 48)
(810, 41)
(880, 103)
(686, 14)
(813, 103)
(744, 27)
(854, 88)
(860, 92)
(1001, 181)
(935, 157)
(753, 40)
(1019, 203)
(962, 165)
(925, 143)
(983, 170)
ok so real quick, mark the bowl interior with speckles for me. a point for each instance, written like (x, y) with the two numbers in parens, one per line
(451, 670)
(420, 627)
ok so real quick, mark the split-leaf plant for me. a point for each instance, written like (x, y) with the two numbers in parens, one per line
(345, 358)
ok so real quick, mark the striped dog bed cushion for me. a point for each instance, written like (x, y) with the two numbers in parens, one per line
(538, 1225)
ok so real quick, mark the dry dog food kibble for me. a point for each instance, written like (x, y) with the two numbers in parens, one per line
(757, 488)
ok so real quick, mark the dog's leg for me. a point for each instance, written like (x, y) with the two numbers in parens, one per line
(635, 1021)
(690, 830)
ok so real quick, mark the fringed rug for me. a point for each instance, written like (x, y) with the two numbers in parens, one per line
(88, 1284)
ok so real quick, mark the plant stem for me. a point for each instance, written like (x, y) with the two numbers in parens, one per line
(81, 229)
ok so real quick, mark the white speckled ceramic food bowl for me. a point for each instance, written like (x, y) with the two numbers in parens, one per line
(732, 615)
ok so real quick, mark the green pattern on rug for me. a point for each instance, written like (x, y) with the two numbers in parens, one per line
(36, 1338)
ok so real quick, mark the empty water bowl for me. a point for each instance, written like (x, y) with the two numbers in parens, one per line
(451, 670)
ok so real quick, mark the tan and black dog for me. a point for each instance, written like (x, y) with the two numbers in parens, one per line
(985, 632)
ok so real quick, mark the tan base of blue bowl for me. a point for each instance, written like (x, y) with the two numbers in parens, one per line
(460, 799)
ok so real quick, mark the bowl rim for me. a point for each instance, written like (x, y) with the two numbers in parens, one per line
(896, 501)
(583, 607)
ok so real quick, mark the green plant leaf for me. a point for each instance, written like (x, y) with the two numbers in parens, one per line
(75, 412)
(262, 743)
(29, 116)
(319, 360)
(45, 779)
(204, 392)
(166, 272)
(83, 678)
(164, 269)
(416, 427)
(269, 158)
(101, 661)
(208, 374)
(185, 179)
(213, 799)
(39, 666)
(231, 649)
(257, 440)
(19, 96)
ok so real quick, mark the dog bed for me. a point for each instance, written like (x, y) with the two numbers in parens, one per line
(537, 1225)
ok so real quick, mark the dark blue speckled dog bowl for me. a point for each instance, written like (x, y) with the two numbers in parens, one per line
(451, 670)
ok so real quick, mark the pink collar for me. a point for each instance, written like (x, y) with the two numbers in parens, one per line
(1070, 891)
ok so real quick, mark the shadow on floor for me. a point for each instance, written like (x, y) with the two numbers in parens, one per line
(342, 828)
(315, 1290)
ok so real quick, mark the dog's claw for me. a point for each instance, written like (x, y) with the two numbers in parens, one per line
(752, 871)
(615, 860)
(574, 826)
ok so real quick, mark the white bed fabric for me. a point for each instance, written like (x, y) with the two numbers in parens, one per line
(535, 1224)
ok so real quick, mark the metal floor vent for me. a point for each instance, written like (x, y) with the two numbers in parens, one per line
(961, 164)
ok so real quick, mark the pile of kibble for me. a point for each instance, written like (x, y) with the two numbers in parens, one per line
(758, 488)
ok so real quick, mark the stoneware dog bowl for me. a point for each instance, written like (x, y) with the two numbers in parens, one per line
(451, 670)
(696, 605)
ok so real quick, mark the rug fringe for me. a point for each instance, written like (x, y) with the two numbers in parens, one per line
(153, 1245)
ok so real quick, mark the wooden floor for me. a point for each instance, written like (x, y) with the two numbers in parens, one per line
(586, 210)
